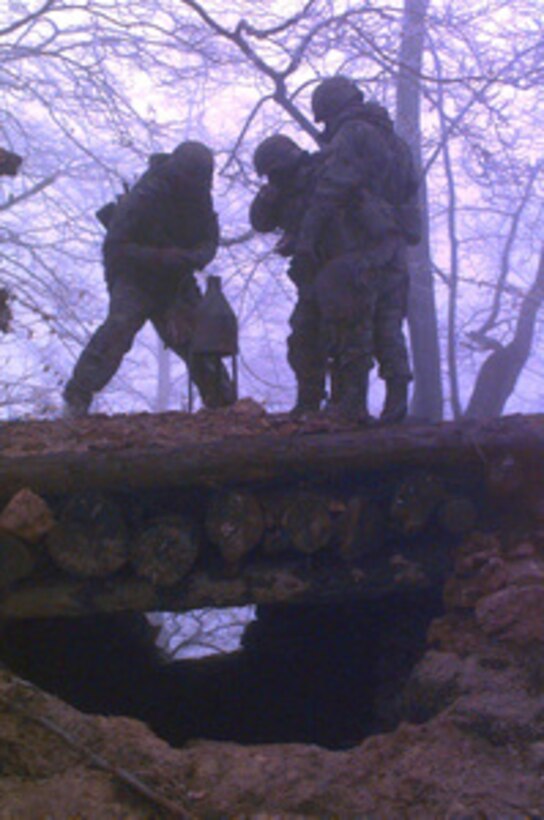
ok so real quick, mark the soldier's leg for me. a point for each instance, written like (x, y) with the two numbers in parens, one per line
(128, 310)
(390, 344)
(305, 353)
(175, 327)
(353, 362)
(346, 293)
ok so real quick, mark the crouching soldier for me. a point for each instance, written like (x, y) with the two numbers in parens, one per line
(159, 233)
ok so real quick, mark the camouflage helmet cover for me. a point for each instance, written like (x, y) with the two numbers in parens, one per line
(332, 95)
(275, 152)
(191, 158)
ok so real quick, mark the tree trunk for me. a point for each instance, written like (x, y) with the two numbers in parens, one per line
(422, 318)
(500, 371)
(164, 383)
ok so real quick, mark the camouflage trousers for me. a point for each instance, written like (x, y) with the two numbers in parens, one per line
(171, 309)
(306, 350)
(362, 312)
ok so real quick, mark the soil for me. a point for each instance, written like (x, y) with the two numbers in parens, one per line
(165, 430)
(471, 742)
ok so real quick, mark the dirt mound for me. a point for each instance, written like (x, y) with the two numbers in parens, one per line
(471, 743)
(59, 763)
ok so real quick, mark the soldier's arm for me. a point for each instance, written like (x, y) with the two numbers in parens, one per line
(128, 241)
(204, 251)
(264, 211)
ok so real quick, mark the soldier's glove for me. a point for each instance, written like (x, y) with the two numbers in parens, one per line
(269, 194)
(286, 245)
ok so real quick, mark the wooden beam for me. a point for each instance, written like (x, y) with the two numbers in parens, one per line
(267, 457)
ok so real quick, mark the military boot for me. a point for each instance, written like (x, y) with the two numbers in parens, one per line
(353, 399)
(309, 397)
(395, 406)
(76, 402)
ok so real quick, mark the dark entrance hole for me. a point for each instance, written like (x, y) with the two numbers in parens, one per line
(328, 675)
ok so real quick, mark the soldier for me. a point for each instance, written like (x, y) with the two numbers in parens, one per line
(280, 204)
(158, 234)
(367, 181)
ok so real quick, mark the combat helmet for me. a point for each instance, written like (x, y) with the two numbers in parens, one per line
(275, 153)
(193, 159)
(332, 95)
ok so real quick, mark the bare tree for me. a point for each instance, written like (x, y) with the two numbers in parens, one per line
(500, 372)
(427, 399)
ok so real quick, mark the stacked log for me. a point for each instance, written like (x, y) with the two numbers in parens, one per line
(91, 537)
(234, 524)
(307, 522)
(414, 502)
(24, 521)
(166, 550)
(364, 517)
(362, 529)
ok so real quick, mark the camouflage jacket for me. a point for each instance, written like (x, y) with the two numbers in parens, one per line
(283, 207)
(159, 214)
(367, 180)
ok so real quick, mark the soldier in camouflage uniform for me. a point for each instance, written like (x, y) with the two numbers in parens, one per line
(158, 234)
(280, 204)
(367, 181)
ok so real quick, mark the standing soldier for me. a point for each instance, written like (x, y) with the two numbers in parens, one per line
(367, 180)
(280, 204)
(158, 234)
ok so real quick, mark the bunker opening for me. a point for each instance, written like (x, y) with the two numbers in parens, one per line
(328, 675)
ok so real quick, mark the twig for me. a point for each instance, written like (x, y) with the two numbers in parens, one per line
(173, 809)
